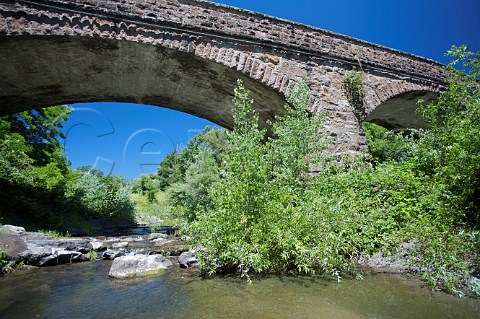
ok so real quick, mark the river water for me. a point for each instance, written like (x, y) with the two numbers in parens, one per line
(84, 290)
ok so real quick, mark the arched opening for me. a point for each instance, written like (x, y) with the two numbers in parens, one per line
(399, 112)
(387, 126)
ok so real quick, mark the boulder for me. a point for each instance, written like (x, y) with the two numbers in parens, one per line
(15, 230)
(12, 245)
(188, 259)
(44, 256)
(97, 245)
(111, 254)
(138, 266)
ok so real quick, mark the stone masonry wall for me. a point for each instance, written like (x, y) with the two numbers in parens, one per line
(202, 16)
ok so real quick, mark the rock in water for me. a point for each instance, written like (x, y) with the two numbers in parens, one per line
(188, 259)
(111, 254)
(97, 245)
(44, 256)
(138, 266)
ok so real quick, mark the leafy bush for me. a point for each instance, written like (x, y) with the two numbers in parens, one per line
(101, 196)
(450, 149)
(354, 89)
(261, 198)
(387, 146)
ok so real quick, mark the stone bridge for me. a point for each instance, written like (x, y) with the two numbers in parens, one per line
(187, 55)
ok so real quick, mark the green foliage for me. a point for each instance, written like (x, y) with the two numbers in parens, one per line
(259, 217)
(199, 176)
(180, 185)
(33, 166)
(173, 167)
(41, 130)
(270, 214)
(92, 254)
(4, 268)
(450, 149)
(54, 233)
(100, 196)
(36, 184)
(387, 146)
(442, 162)
(354, 89)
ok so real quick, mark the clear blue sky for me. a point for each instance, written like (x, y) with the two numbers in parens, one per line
(129, 140)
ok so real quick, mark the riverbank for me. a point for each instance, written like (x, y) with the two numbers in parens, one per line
(35, 249)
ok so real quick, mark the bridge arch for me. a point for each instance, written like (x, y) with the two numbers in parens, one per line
(51, 70)
(399, 112)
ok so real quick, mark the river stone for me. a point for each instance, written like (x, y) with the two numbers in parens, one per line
(111, 254)
(12, 245)
(138, 266)
(44, 256)
(81, 245)
(157, 242)
(120, 244)
(16, 230)
(97, 245)
(157, 235)
(188, 259)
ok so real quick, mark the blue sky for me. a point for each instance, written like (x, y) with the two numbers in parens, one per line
(129, 140)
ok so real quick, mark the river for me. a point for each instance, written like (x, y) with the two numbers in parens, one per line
(83, 290)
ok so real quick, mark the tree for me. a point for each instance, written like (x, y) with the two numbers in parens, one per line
(41, 129)
(33, 165)
(193, 194)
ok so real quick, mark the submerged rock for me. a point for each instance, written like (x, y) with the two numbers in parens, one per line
(138, 266)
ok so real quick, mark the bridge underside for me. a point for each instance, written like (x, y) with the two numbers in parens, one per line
(39, 71)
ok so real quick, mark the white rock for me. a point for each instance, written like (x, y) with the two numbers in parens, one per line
(157, 235)
(138, 266)
(120, 244)
(96, 245)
